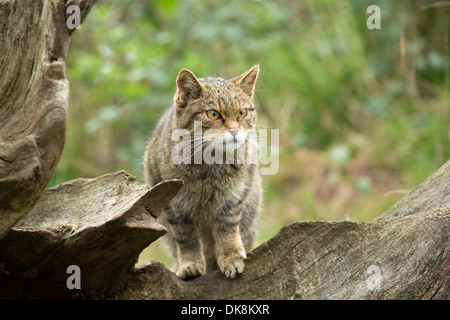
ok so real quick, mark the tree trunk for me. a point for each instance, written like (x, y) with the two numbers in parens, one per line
(34, 40)
(100, 226)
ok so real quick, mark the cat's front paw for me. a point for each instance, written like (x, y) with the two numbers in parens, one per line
(233, 264)
(191, 270)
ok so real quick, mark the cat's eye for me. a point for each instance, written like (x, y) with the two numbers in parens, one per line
(213, 114)
(243, 113)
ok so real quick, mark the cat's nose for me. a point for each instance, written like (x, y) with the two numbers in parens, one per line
(234, 131)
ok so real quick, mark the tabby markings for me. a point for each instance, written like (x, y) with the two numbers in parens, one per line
(209, 147)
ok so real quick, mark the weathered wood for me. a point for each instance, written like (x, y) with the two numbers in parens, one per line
(101, 225)
(432, 193)
(326, 260)
(96, 224)
(409, 248)
(34, 40)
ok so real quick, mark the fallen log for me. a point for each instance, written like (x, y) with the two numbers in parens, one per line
(403, 255)
(101, 225)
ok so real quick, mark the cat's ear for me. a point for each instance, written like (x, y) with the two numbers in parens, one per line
(246, 81)
(188, 87)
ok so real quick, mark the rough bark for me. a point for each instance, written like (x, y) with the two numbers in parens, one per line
(102, 225)
(432, 193)
(407, 251)
(34, 91)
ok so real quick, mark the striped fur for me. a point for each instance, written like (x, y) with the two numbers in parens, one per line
(213, 219)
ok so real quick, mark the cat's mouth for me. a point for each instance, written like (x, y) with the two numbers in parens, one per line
(230, 141)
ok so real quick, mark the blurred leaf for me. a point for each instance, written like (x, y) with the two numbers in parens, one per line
(340, 155)
(364, 185)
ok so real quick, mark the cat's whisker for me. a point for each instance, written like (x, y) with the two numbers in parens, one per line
(263, 126)
(261, 146)
(200, 148)
(189, 143)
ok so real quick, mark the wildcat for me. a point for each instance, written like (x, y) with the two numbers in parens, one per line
(212, 221)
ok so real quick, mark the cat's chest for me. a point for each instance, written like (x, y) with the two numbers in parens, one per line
(208, 196)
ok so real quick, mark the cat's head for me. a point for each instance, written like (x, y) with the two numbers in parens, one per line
(225, 108)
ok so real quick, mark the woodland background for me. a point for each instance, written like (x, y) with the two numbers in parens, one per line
(363, 114)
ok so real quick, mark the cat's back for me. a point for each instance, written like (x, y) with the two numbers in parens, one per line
(157, 149)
